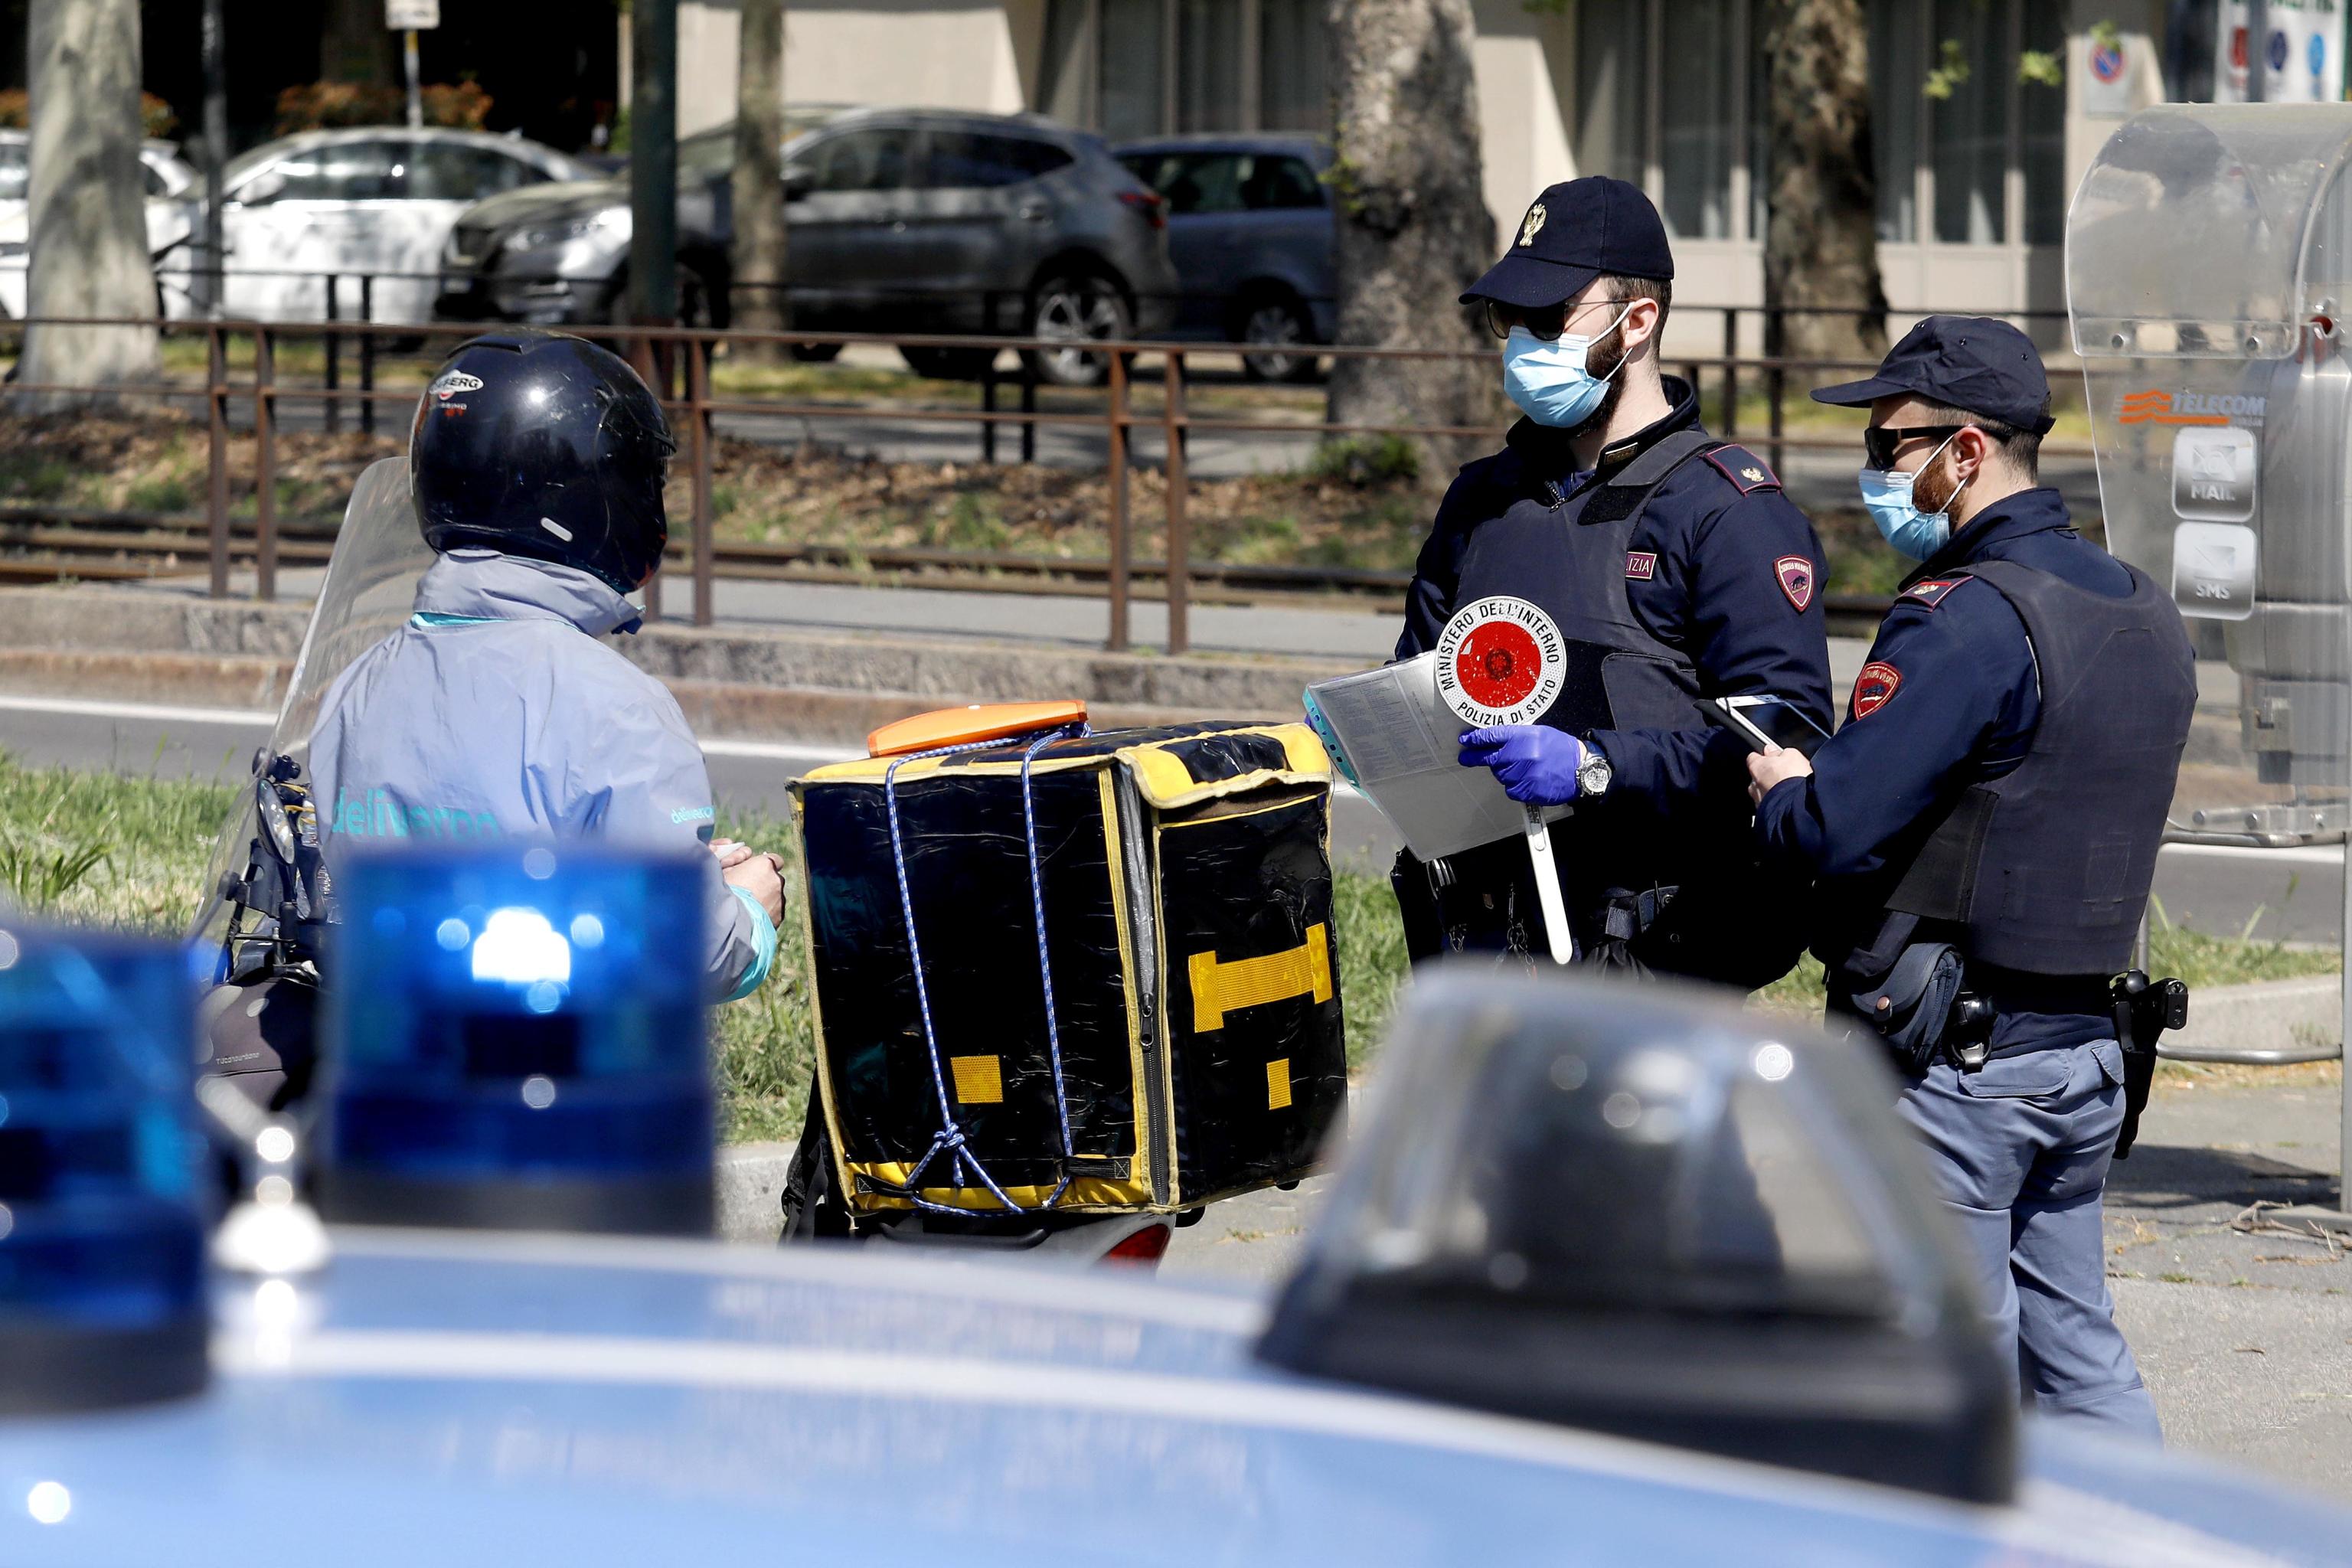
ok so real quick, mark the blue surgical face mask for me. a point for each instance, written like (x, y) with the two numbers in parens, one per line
(1900, 521)
(1549, 380)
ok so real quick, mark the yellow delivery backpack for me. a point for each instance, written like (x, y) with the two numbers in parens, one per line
(1083, 972)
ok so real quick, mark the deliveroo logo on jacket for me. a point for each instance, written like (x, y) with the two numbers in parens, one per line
(373, 814)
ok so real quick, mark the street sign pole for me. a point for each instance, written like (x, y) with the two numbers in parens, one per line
(416, 89)
(408, 18)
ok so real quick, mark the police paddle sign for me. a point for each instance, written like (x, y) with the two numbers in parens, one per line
(1501, 661)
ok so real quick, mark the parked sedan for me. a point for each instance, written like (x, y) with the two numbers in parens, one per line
(1249, 226)
(374, 200)
(165, 176)
(899, 221)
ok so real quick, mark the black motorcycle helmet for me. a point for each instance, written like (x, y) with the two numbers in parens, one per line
(533, 444)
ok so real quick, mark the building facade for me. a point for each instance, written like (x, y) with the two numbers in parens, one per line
(1985, 112)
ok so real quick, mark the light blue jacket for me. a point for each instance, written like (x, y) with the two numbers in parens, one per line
(498, 712)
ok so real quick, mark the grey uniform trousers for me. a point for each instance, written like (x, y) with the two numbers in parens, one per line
(2019, 1150)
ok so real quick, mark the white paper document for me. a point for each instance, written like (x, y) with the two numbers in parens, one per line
(1399, 741)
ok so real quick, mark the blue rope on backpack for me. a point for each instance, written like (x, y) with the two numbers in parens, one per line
(951, 1139)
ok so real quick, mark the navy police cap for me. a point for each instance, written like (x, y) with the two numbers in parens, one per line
(1973, 363)
(1574, 233)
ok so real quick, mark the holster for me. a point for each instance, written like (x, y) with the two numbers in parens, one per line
(2144, 1009)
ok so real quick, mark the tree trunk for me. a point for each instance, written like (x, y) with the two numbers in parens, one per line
(88, 216)
(1820, 250)
(759, 184)
(1414, 230)
(354, 44)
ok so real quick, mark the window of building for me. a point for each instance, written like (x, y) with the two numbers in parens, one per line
(1970, 125)
(1293, 54)
(2044, 113)
(1612, 77)
(1899, 48)
(1132, 69)
(1700, 140)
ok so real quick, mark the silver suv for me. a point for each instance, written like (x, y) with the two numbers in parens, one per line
(911, 221)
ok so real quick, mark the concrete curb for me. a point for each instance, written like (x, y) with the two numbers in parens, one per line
(2268, 1016)
(751, 1190)
(783, 684)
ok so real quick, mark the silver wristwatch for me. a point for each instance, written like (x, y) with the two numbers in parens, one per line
(1592, 775)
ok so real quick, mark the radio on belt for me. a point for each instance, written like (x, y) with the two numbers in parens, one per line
(1502, 661)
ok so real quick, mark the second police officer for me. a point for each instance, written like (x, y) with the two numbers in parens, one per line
(1671, 561)
(1985, 828)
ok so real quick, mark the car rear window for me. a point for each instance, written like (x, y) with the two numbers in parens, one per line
(1276, 183)
(1227, 182)
(453, 172)
(967, 160)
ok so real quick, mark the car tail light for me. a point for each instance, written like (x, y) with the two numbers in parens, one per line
(1146, 1247)
(1154, 209)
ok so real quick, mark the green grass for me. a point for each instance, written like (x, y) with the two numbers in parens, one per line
(129, 854)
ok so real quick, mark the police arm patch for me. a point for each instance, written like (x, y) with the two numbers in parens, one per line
(1796, 578)
(1640, 565)
(1931, 591)
(1743, 469)
(1875, 688)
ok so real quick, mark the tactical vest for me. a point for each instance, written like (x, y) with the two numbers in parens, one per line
(1575, 568)
(2047, 869)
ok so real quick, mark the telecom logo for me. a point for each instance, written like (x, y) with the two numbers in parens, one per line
(2157, 406)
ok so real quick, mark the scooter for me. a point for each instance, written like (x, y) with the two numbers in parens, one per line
(269, 898)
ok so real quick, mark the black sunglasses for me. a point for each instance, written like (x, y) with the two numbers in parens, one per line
(1880, 443)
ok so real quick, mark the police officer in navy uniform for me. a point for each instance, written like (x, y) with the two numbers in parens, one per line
(1675, 568)
(1990, 813)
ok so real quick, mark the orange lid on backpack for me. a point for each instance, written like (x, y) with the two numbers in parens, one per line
(977, 722)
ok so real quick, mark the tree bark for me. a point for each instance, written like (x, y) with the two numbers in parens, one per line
(88, 206)
(1820, 249)
(1412, 224)
(354, 44)
(758, 259)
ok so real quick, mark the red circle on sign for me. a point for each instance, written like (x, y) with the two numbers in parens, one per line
(1498, 664)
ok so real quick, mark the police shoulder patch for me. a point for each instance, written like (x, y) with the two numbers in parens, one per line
(1795, 575)
(1743, 469)
(1931, 591)
(1875, 688)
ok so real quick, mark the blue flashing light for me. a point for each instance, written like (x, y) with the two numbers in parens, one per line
(517, 1039)
(102, 1208)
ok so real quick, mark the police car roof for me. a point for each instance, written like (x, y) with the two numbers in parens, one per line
(495, 1399)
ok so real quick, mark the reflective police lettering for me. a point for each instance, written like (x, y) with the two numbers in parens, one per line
(1640, 565)
(1875, 686)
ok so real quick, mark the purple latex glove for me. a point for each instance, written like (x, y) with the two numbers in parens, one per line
(1536, 762)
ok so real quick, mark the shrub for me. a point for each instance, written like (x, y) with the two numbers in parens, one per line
(320, 105)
